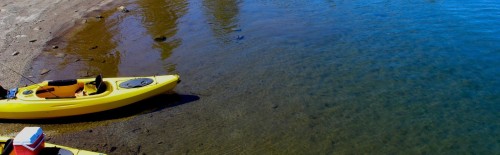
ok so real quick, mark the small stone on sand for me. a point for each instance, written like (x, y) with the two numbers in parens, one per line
(60, 55)
(123, 9)
(44, 71)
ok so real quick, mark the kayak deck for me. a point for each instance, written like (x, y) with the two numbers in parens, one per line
(51, 99)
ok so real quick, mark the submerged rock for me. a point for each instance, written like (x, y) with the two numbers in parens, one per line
(160, 39)
(239, 37)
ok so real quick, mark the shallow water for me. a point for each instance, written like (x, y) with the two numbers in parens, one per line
(305, 77)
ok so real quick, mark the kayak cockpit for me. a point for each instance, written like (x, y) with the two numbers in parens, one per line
(71, 88)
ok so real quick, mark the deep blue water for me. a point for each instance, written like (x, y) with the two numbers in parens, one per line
(324, 76)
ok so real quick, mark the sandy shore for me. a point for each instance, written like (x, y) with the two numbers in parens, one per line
(26, 27)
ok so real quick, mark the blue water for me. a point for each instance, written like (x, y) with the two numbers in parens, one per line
(323, 76)
(367, 76)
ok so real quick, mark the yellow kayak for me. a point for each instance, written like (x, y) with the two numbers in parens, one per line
(7, 148)
(61, 98)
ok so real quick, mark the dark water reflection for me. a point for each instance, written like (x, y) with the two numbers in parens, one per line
(309, 77)
(120, 44)
(160, 18)
(222, 17)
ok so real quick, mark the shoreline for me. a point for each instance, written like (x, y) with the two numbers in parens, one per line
(29, 27)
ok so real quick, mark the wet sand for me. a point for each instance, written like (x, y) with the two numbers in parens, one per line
(30, 29)
(26, 29)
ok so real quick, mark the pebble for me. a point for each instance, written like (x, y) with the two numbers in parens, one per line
(112, 149)
(240, 37)
(32, 41)
(37, 28)
(138, 149)
(55, 47)
(84, 21)
(275, 106)
(93, 47)
(44, 71)
(84, 59)
(123, 9)
(15, 53)
(60, 55)
(99, 16)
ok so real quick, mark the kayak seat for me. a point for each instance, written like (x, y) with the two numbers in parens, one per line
(59, 89)
(62, 82)
(41, 91)
(95, 87)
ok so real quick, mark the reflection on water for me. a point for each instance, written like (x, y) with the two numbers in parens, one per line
(94, 48)
(89, 51)
(310, 77)
(222, 16)
(160, 18)
(119, 44)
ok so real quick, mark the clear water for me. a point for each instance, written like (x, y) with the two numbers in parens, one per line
(313, 77)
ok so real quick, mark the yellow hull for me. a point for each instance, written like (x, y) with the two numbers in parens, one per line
(3, 140)
(37, 101)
